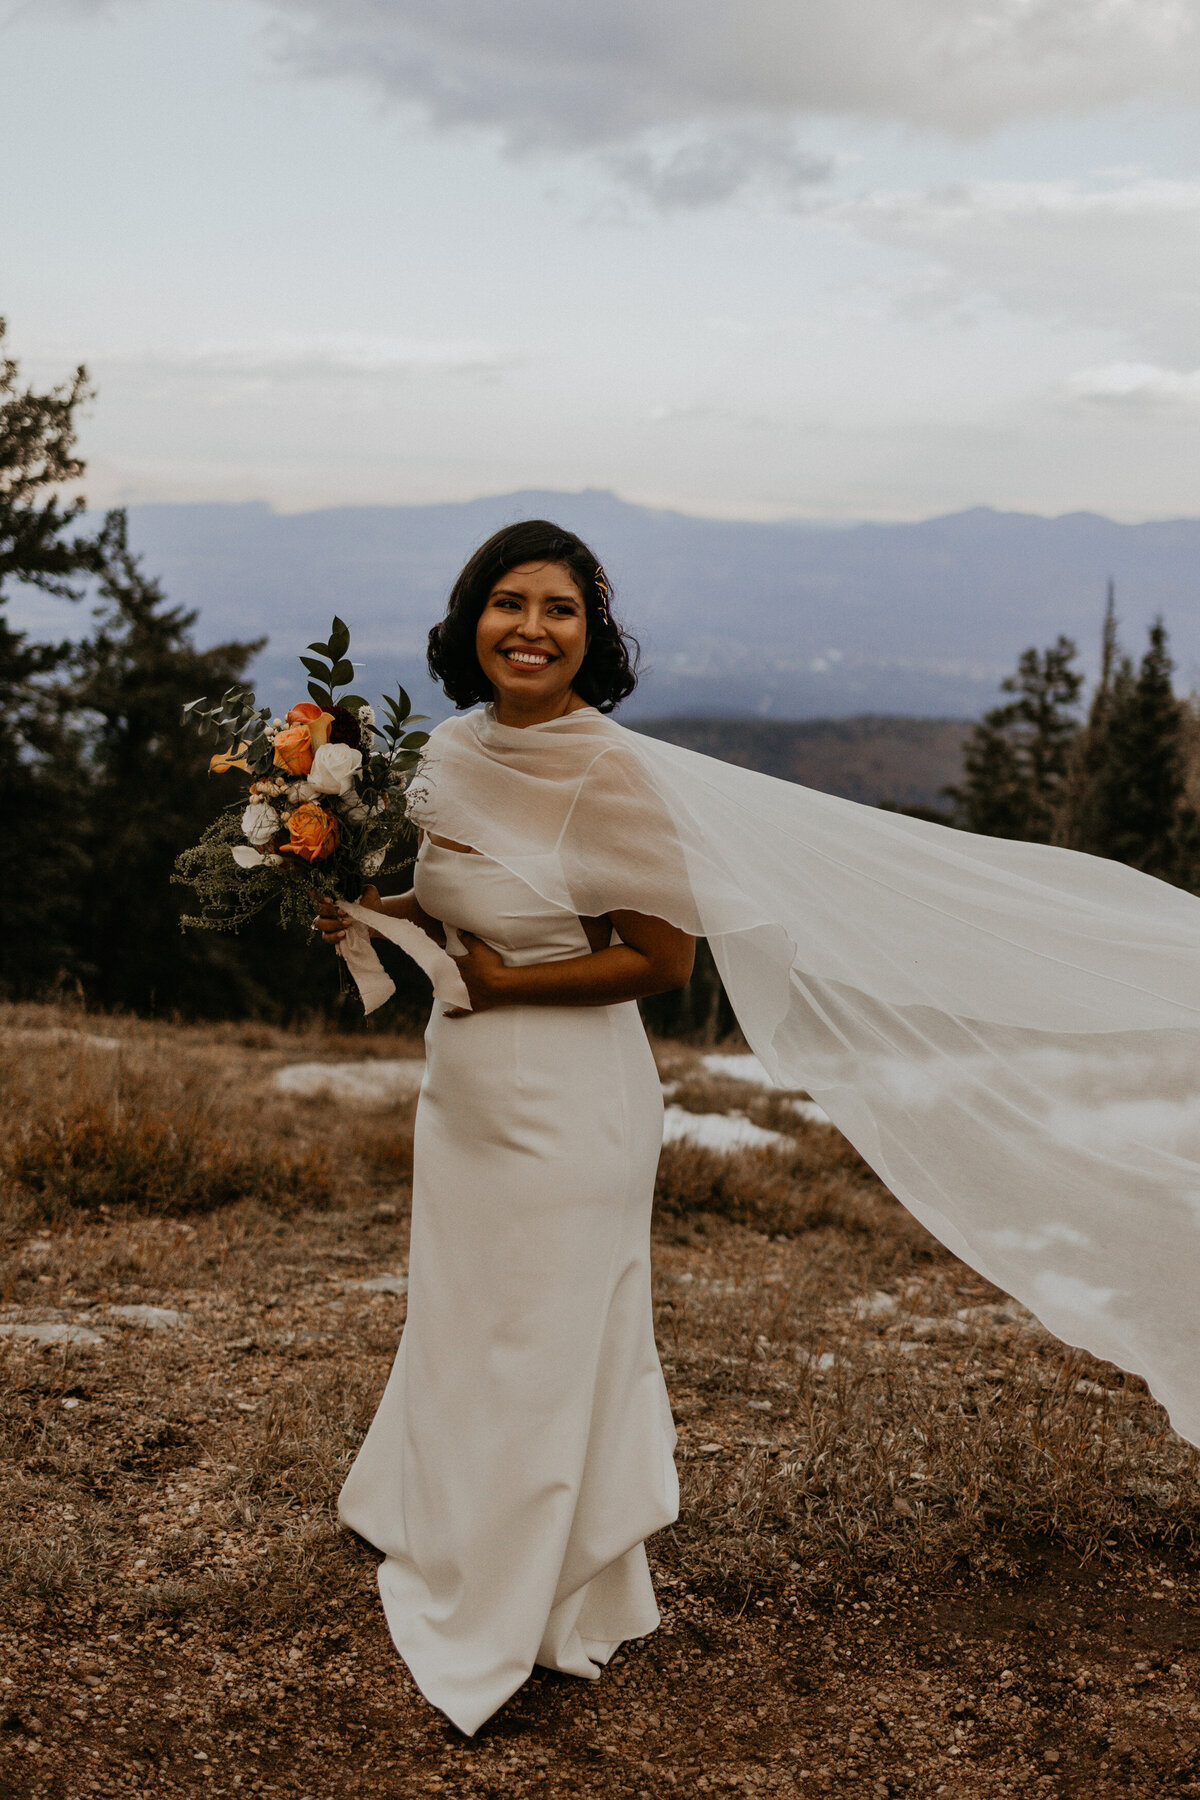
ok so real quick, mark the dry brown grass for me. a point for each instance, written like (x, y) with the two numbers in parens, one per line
(921, 1543)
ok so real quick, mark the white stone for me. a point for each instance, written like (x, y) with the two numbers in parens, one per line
(873, 1306)
(154, 1318)
(54, 1334)
(382, 1284)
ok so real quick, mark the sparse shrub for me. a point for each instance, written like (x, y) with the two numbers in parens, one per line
(779, 1192)
(119, 1137)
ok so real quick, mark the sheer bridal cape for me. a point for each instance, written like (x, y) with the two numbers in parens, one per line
(1009, 1033)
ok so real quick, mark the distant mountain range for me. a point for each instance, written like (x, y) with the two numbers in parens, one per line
(789, 620)
(901, 761)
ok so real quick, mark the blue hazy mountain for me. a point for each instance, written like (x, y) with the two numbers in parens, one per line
(772, 620)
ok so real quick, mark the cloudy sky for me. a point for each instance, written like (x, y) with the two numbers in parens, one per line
(836, 259)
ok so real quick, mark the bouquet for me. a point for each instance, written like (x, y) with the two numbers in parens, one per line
(323, 817)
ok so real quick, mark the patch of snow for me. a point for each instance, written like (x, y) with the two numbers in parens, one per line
(744, 1067)
(377, 1084)
(808, 1109)
(56, 1034)
(153, 1318)
(382, 1284)
(822, 1363)
(54, 1334)
(718, 1131)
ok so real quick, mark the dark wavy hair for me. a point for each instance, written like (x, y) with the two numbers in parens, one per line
(608, 673)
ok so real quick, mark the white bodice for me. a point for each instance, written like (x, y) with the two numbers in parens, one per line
(469, 892)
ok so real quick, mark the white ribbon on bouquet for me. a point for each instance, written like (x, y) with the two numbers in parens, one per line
(373, 982)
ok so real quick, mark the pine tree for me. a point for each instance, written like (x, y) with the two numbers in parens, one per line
(41, 772)
(1127, 797)
(1016, 760)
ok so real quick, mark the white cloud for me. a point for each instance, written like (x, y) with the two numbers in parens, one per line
(1136, 386)
(549, 74)
(1119, 257)
(336, 354)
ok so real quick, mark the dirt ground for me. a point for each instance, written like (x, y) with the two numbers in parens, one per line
(924, 1550)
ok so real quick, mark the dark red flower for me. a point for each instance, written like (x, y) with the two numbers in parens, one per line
(345, 728)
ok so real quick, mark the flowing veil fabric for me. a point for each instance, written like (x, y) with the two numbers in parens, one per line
(1009, 1033)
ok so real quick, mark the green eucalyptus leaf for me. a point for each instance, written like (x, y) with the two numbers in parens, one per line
(339, 638)
(322, 696)
(352, 702)
(414, 740)
(319, 670)
(321, 649)
(341, 673)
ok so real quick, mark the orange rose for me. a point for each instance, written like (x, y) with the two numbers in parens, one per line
(313, 833)
(307, 729)
(319, 723)
(294, 750)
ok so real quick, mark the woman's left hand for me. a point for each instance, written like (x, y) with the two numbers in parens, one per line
(483, 971)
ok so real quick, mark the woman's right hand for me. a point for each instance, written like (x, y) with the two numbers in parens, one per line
(331, 921)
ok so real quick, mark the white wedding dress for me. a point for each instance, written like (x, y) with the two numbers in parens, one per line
(522, 1451)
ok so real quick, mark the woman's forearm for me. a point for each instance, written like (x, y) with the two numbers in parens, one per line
(602, 978)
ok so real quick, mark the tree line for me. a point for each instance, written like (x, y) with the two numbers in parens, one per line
(1116, 780)
(102, 788)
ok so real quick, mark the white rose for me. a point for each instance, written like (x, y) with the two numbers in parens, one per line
(260, 822)
(334, 768)
(246, 858)
(303, 790)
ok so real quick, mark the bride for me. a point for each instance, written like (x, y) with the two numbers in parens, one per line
(1009, 1033)
(523, 1448)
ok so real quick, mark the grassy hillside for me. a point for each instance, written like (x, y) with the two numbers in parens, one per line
(924, 1549)
(872, 758)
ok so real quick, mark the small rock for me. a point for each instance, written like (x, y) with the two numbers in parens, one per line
(934, 1328)
(382, 1284)
(153, 1318)
(873, 1306)
(54, 1334)
(1050, 1756)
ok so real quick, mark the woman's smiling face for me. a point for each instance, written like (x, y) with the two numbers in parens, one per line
(531, 640)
